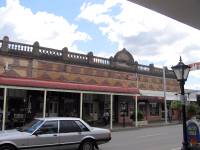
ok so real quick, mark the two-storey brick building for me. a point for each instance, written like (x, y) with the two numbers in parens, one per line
(37, 82)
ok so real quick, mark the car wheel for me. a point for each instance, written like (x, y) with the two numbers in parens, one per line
(7, 147)
(87, 145)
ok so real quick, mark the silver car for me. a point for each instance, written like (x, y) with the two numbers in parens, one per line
(57, 133)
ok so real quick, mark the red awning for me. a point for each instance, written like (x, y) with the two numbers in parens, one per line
(151, 98)
(26, 82)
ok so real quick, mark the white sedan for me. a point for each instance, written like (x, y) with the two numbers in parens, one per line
(59, 133)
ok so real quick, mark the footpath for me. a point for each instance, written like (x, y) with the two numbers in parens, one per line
(149, 125)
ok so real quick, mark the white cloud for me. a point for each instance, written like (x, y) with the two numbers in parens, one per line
(22, 25)
(149, 36)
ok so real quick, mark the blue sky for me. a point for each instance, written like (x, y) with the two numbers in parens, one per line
(103, 27)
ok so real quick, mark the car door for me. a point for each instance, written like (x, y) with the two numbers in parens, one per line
(46, 137)
(70, 134)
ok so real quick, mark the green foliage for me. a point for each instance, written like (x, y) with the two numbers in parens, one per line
(193, 109)
(140, 116)
(176, 105)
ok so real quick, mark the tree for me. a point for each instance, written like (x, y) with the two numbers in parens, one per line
(176, 105)
(192, 110)
(140, 115)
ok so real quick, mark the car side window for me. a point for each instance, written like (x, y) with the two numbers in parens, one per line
(49, 127)
(67, 126)
(81, 125)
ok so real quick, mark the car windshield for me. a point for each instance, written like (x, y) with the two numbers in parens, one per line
(32, 126)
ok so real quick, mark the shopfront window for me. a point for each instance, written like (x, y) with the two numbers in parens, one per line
(96, 109)
(154, 109)
(22, 107)
(124, 110)
(62, 104)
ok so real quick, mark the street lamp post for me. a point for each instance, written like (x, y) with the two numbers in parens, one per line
(181, 71)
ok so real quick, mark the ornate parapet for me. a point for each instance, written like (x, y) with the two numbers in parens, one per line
(4, 45)
(123, 60)
(65, 53)
(36, 47)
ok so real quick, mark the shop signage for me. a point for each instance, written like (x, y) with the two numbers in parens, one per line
(193, 132)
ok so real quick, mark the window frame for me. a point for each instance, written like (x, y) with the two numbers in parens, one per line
(44, 124)
(87, 129)
(68, 131)
(154, 109)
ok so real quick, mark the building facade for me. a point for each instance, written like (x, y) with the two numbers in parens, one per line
(36, 81)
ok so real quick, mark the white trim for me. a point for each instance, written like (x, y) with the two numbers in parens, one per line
(136, 111)
(4, 109)
(81, 105)
(111, 111)
(45, 102)
(169, 95)
(164, 93)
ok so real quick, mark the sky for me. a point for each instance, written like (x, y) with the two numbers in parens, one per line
(103, 27)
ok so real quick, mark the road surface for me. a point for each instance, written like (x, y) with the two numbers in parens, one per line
(156, 138)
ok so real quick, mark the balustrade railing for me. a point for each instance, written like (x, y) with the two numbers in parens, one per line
(158, 70)
(65, 55)
(77, 57)
(101, 61)
(143, 68)
(50, 52)
(13, 46)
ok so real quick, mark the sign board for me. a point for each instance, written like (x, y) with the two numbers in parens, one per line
(195, 66)
(193, 132)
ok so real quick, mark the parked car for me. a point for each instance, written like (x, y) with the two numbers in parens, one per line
(54, 133)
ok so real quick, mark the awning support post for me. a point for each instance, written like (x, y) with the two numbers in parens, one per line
(45, 102)
(81, 105)
(4, 109)
(136, 111)
(111, 111)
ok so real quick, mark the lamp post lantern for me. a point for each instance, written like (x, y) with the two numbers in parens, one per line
(181, 72)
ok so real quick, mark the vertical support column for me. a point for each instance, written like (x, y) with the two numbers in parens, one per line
(45, 102)
(111, 111)
(4, 109)
(136, 111)
(164, 92)
(81, 105)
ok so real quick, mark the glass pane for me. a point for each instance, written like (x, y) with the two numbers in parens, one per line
(186, 73)
(67, 126)
(23, 106)
(61, 104)
(154, 109)
(123, 111)
(32, 126)
(49, 127)
(81, 126)
(178, 74)
(96, 109)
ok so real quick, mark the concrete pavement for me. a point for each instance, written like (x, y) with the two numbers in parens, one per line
(149, 125)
